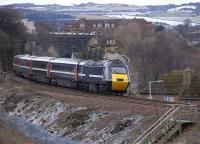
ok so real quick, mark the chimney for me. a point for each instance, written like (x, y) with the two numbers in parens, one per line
(187, 78)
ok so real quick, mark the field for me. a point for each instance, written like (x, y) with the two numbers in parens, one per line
(175, 16)
(92, 16)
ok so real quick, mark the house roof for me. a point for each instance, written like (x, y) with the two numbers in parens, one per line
(90, 25)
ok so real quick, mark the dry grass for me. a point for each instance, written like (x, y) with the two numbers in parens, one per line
(190, 135)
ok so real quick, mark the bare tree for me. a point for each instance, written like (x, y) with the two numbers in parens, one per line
(152, 54)
(12, 36)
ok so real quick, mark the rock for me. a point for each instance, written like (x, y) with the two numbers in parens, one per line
(121, 126)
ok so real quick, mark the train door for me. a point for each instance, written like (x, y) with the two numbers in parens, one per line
(87, 72)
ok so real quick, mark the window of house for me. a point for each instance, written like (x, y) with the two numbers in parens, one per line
(82, 26)
(107, 25)
(113, 25)
(69, 26)
(99, 25)
(94, 25)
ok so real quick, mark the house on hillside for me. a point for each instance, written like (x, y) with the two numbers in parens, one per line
(84, 38)
(29, 25)
(177, 85)
(102, 25)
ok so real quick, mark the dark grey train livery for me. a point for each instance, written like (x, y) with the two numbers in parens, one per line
(104, 76)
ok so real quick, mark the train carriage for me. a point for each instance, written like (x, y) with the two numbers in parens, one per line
(16, 64)
(22, 65)
(64, 69)
(40, 68)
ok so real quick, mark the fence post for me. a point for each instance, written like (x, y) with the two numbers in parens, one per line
(0, 72)
(179, 111)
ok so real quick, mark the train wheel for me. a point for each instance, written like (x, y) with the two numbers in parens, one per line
(74, 85)
(86, 86)
(49, 80)
(30, 77)
(81, 86)
(103, 88)
(97, 88)
(78, 85)
(54, 81)
(120, 94)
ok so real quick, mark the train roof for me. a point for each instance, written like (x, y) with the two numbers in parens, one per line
(66, 60)
(27, 57)
(93, 63)
(43, 59)
(20, 56)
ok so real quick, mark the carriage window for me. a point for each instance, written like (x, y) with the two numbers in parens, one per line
(81, 69)
(118, 70)
(96, 70)
(70, 68)
(38, 64)
(62, 67)
(25, 62)
(57, 67)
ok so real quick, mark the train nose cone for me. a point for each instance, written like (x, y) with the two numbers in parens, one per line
(119, 82)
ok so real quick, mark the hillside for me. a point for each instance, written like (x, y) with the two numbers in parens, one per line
(58, 14)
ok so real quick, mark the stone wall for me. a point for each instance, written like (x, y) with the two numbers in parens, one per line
(68, 44)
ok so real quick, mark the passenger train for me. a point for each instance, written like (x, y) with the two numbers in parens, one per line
(101, 76)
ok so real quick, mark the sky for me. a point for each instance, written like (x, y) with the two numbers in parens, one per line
(70, 2)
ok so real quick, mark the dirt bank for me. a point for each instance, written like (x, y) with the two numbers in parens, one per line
(82, 119)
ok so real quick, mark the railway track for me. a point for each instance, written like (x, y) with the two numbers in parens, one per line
(60, 93)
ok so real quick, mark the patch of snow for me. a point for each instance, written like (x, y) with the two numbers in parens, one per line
(78, 109)
(95, 116)
(182, 8)
(38, 8)
(119, 137)
(154, 20)
(91, 126)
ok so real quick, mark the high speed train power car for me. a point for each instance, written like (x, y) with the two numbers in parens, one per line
(104, 76)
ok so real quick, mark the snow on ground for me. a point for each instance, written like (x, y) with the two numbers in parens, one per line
(151, 19)
(180, 8)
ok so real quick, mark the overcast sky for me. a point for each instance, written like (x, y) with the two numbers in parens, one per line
(70, 2)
